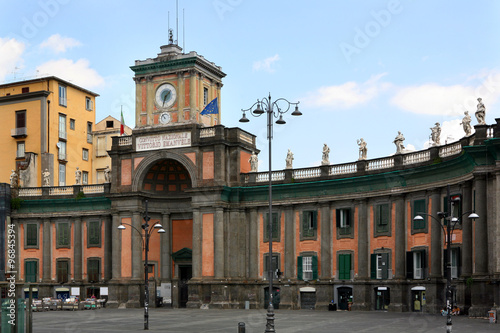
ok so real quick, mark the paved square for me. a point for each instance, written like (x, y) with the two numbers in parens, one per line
(221, 321)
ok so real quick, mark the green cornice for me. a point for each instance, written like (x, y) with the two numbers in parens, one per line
(63, 205)
(387, 181)
(172, 65)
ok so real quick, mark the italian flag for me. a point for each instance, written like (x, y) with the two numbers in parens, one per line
(122, 125)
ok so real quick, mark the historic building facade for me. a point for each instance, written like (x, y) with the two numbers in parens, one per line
(342, 233)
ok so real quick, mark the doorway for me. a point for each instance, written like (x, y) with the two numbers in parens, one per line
(185, 274)
(345, 297)
(276, 298)
(382, 298)
(417, 299)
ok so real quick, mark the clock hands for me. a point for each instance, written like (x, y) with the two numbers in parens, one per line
(167, 95)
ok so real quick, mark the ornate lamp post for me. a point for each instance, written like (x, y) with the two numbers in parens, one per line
(145, 246)
(450, 227)
(273, 110)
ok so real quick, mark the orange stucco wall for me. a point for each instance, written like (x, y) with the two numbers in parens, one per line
(345, 243)
(144, 98)
(137, 160)
(192, 157)
(245, 162)
(208, 245)
(278, 246)
(126, 252)
(182, 236)
(126, 178)
(186, 93)
(208, 165)
(154, 247)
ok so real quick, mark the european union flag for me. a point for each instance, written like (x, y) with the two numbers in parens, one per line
(211, 108)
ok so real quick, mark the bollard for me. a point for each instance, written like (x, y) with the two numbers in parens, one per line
(241, 327)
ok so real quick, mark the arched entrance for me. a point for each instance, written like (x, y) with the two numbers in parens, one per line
(418, 299)
(166, 177)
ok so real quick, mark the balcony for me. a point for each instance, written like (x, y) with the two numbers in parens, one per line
(20, 132)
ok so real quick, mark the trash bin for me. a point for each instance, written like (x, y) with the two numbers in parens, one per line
(492, 315)
(332, 307)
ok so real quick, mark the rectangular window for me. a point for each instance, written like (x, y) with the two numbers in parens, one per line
(101, 146)
(85, 154)
(379, 266)
(307, 267)
(455, 262)
(419, 209)
(309, 224)
(307, 270)
(25, 90)
(89, 132)
(89, 104)
(110, 124)
(275, 266)
(94, 233)
(344, 266)
(72, 124)
(344, 221)
(31, 234)
(93, 270)
(85, 177)
(62, 96)
(20, 149)
(31, 271)
(63, 235)
(456, 206)
(62, 270)
(205, 95)
(416, 264)
(62, 174)
(275, 226)
(21, 119)
(62, 150)
(382, 218)
(62, 126)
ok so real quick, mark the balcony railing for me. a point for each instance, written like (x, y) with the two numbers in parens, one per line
(20, 131)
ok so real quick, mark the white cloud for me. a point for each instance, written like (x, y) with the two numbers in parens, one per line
(435, 99)
(348, 94)
(10, 56)
(78, 72)
(266, 64)
(451, 131)
(58, 44)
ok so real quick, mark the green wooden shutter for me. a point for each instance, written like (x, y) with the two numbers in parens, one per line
(94, 233)
(315, 267)
(31, 235)
(299, 268)
(344, 266)
(419, 209)
(31, 271)
(373, 266)
(385, 266)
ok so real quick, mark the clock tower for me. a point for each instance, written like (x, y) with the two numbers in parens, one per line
(175, 87)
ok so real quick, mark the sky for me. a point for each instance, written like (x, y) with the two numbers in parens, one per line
(360, 69)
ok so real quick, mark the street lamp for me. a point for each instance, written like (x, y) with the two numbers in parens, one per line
(450, 227)
(145, 246)
(272, 109)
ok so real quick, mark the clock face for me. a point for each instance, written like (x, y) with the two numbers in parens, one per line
(165, 96)
(165, 118)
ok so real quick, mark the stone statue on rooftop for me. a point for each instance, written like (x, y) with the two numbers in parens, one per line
(362, 149)
(398, 141)
(254, 163)
(466, 123)
(325, 160)
(107, 176)
(289, 159)
(78, 176)
(481, 112)
(46, 177)
(436, 135)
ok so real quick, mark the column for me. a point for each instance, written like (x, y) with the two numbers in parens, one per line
(219, 243)
(325, 226)
(46, 246)
(192, 94)
(253, 262)
(400, 234)
(289, 243)
(137, 266)
(197, 236)
(108, 249)
(481, 227)
(166, 248)
(181, 95)
(78, 249)
(466, 252)
(116, 246)
(363, 239)
(436, 235)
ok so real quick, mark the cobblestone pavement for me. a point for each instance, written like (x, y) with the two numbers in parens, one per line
(221, 321)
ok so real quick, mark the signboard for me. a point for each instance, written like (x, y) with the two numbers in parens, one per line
(75, 291)
(163, 141)
(104, 291)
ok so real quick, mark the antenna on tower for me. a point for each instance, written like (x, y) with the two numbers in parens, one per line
(183, 31)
